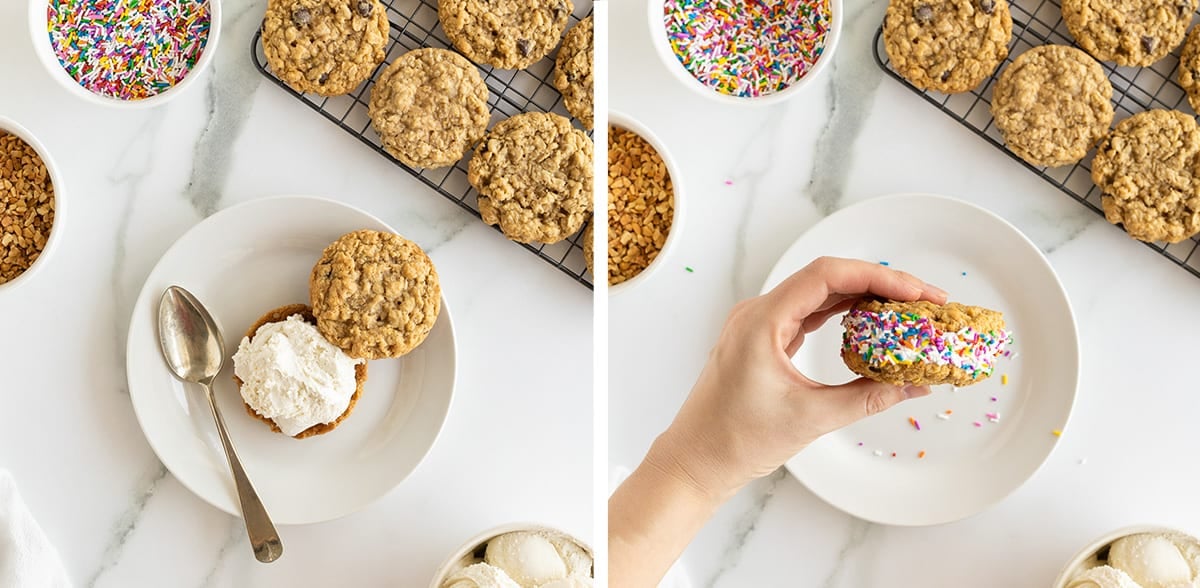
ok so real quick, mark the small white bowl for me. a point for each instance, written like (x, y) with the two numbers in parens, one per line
(658, 37)
(628, 123)
(1077, 563)
(10, 126)
(45, 53)
(454, 562)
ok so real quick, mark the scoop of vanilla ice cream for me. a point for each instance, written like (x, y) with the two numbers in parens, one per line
(569, 582)
(576, 558)
(529, 558)
(480, 575)
(1103, 577)
(1151, 560)
(294, 376)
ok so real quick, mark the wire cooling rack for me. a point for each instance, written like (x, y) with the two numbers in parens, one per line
(1135, 89)
(414, 24)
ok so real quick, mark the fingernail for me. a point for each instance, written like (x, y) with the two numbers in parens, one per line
(930, 288)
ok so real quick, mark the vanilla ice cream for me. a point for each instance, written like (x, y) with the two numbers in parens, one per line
(294, 376)
(479, 575)
(528, 557)
(1103, 577)
(576, 558)
(571, 582)
(1152, 560)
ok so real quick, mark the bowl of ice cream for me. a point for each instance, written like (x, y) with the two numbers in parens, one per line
(125, 54)
(1141, 556)
(518, 555)
(30, 205)
(745, 52)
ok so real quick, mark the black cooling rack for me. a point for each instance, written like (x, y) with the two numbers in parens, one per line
(1135, 89)
(414, 24)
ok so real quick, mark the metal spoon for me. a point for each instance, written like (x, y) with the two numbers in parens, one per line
(192, 346)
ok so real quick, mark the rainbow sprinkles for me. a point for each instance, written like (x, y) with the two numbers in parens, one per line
(747, 48)
(128, 49)
(904, 338)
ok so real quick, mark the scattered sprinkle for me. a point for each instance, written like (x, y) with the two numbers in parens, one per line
(1083, 461)
(860, 443)
(689, 269)
(977, 424)
(878, 453)
(128, 49)
(896, 338)
(921, 455)
(893, 454)
(1056, 433)
(1004, 379)
(994, 399)
(747, 48)
(916, 425)
(964, 274)
(953, 388)
(945, 416)
(884, 263)
(728, 182)
(993, 417)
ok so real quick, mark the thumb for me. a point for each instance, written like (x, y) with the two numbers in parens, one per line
(862, 398)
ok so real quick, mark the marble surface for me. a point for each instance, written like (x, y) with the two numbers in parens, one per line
(137, 180)
(755, 179)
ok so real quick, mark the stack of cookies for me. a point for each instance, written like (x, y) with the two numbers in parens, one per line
(1053, 103)
(430, 106)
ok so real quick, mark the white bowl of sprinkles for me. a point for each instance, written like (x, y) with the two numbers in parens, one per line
(125, 53)
(745, 51)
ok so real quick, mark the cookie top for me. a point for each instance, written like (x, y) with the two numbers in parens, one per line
(573, 71)
(508, 34)
(534, 177)
(922, 342)
(1189, 68)
(375, 294)
(589, 249)
(948, 46)
(328, 47)
(1052, 104)
(429, 107)
(1129, 32)
(1147, 171)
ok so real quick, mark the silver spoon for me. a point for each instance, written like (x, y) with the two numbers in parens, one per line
(192, 346)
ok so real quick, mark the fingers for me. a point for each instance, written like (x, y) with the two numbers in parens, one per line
(810, 289)
(862, 398)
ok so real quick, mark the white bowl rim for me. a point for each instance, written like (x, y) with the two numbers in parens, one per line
(1096, 544)
(658, 38)
(482, 537)
(11, 126)
(624, 121)
(41, 47)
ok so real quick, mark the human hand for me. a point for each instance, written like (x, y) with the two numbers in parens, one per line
(751, 410)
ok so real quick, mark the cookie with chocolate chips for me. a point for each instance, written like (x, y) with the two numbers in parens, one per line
(1133, 32)
(508, 34)
(947, 45)
(573, 71)
(326, 47)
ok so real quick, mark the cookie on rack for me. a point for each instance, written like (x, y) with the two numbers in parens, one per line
(534, 176)
(430, 107)
(1189, 68)
(375, 294)
(947, 45)
(1052, 104)
(1147, 172)
(1131, 32)
(327, 47)
(573, 71)
(922, 343)
(508, 34)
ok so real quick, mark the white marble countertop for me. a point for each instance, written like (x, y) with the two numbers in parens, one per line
(137, 180)
(858, 135)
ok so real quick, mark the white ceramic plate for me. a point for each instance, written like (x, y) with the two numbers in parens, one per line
(979, 259)
(240, 263)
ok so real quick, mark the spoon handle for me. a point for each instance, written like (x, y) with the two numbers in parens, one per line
(263, 537)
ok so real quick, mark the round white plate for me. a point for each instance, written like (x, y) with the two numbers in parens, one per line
(240, 263)
(981, 260)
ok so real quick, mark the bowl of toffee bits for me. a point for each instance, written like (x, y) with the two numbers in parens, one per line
(644, 209)
(29, 206)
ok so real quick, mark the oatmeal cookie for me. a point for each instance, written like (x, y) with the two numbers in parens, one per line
(1147, 171)
(923, 343)
(947, 46)
(279, 315)
(534, 177)
(1189, 68)
(327, 47)
(429, 107)
(573, 71)
(1130, 32)
(375, 294)
(588, 248)
(508, 34)
(1052, 104)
